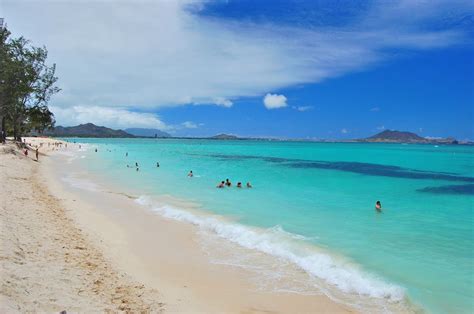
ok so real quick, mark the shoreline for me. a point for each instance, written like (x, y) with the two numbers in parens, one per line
(167, 255)
(173, 258)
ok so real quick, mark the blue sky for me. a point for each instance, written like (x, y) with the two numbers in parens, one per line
(280, 68)
(423, 92)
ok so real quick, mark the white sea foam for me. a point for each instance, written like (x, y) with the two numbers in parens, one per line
(346, 276)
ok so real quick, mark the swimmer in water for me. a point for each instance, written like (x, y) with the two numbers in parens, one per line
(96, 150)
(239, 184)
(126, 154)
(221, 185)
(228, 183)
(136, 164)
(249, 185)
(378, 206)
(190, 174)
(157, 164)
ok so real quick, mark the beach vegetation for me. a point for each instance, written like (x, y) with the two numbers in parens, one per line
(27, 83)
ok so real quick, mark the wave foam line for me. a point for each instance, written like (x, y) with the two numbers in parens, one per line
(277, 242)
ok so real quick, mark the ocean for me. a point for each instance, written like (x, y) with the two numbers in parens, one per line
(312, 205)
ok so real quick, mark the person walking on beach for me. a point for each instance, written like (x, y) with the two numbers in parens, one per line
(37, 154)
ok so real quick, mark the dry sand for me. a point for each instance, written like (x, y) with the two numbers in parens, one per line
(46, 263)
(73, 250)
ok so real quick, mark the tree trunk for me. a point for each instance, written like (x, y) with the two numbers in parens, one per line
(3, 132)
(15, 131)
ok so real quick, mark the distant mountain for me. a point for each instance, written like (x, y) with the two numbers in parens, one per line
(86, 130)
(147, 132)
(224, 137)
(396, 136)
(392, 136)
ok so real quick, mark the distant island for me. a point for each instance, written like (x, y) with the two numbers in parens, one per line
(92, 130)
(224, 137)
(392, 136)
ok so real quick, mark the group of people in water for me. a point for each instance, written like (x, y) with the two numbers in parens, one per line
(225, 183)
(228, 184)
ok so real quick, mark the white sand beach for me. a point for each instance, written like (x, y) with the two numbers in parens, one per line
(66, 250)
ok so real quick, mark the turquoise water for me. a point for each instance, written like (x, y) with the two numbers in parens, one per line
(420, 246)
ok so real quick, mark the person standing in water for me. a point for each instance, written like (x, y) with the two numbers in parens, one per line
(228, 183)
(126, 154)
(249, 185)
(157, 164)
(378, 206)
(190, 174)
(239, 184)
(221, 185)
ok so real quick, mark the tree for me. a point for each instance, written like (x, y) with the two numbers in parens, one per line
(40, 118)
(4, 35)
(26, 85)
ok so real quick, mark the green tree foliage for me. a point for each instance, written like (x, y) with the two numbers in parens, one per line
(26, 85)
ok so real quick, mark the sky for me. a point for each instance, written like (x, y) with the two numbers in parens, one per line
(307, 69)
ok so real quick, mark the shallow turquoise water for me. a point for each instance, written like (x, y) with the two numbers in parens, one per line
(422, 242)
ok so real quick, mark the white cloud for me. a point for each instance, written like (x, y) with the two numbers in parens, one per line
(344, 131)
(150, 54)
(381, 128)
(274, 101)
(221, 101)
(190, 125)
(106, 116)
(375, 109)
(302, 108)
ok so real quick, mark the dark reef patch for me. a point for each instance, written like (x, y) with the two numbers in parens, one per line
(465, 189)
(354, 167)
(380, 170)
